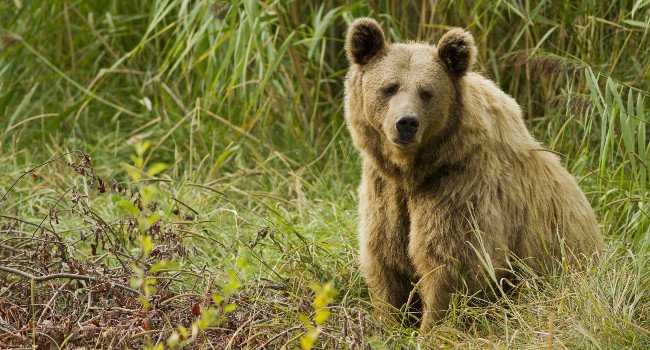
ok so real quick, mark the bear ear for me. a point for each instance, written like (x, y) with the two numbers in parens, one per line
(457, 51)
(364, 41)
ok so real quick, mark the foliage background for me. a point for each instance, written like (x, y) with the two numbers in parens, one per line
(228, 116)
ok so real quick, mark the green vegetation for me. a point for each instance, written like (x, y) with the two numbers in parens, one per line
(187, 165)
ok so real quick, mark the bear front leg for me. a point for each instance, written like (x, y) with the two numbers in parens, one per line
(389, 286)
(439, 251)
(385, 265)
(436, 294)
(384, 239)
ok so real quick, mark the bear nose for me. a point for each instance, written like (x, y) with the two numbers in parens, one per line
(407, 126)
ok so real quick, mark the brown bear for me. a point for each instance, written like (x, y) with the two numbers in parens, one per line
(452, 180)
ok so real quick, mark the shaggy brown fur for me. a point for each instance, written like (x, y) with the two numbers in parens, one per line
(471, 180)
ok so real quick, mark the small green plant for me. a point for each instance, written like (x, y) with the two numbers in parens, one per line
(146, 221)
(324, 296)
(212, 315)
(137, 170)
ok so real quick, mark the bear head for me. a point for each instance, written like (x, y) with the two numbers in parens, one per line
(401, 98)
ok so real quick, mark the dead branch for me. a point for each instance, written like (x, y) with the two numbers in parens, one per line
(64, 275)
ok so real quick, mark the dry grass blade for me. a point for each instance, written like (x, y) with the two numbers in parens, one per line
(543, 63)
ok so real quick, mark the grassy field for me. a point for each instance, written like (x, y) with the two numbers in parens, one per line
(178, 173)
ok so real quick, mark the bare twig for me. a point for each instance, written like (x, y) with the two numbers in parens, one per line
(286, 331)
(29, 171)
(11, 285)
(25, 222)
(185, 205)
(12, 249)
(51, 209)
(65, 275)
(49, 303)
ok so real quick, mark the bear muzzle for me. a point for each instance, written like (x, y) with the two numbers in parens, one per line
(407, 127)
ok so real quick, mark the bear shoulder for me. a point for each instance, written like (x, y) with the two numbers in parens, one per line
(499, 113)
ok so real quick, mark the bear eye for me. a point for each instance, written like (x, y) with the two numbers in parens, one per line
(425, 95)
(390, 89)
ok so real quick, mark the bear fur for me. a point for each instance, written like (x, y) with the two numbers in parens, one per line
(470, 184)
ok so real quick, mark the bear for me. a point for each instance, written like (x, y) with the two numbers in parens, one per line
(451, 178)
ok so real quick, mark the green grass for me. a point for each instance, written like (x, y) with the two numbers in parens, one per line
(228, 116)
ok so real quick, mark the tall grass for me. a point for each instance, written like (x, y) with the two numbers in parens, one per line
(232, 112)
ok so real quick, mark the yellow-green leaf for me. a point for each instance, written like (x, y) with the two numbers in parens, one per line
(129, 207)
(321, 315)
(307, 342)
(133, 172)
(156, 168)
(146, 243)
(229, 308)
